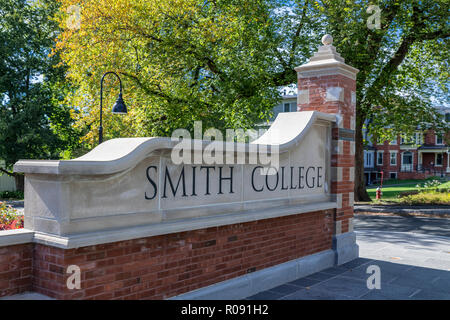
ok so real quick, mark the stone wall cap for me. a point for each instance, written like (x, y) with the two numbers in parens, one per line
(120, 154)
(15, 237)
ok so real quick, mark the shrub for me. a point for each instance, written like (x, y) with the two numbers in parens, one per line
(11, 195)
(9, 217)
(407, 193)
(427, 198)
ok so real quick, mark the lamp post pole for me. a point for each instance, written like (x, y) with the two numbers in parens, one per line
(119, 106)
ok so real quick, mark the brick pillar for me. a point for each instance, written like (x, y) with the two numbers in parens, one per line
(328, 85)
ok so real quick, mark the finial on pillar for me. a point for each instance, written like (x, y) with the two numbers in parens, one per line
(327, 40)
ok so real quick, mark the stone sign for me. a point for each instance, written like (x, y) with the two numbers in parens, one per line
(134, 182)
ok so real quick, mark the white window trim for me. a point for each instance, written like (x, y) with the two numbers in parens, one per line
(420, 136)
(435, 160)
(393, 142)
(382, 155)
(396, 176)
(412, 158)
(390, 157)
(373, 158)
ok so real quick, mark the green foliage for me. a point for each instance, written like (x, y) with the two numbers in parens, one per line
(396, 189)
(183, 61)
(430, 198)
(220, 61)
(34, 120)
(12, 195)
(403, 65)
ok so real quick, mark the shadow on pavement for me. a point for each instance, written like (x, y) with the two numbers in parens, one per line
(349, 282)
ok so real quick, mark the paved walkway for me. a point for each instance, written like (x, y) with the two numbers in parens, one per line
(413, 254)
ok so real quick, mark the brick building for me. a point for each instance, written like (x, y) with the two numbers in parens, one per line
(423, 155)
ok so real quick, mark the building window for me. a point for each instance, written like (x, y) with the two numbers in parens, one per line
(407, 161)
(393, 142)
(287, 107)
(404, 139)
(392, 175)
(419, 138)
(393, 158)
(439, 139)
(439, 159)
(368, 159)
(379, 158)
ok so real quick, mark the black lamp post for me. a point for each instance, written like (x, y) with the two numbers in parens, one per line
(118, 108)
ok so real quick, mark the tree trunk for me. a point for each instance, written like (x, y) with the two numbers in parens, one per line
(20, 181)
(360, 184)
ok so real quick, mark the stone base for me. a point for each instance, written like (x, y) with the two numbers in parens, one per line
(164, 266)
(344, 250)
(345, 247)
(250, 284)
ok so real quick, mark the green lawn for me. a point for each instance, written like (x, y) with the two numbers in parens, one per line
(391, 189)
(445, 185)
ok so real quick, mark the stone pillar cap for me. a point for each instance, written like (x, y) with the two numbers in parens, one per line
(326, 58)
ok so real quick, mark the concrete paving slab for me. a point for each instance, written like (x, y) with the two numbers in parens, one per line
(315, 294)
(390, 292)
(430, 295)
(285, 289)
(266, 295)
(304, 282)
(342, 286)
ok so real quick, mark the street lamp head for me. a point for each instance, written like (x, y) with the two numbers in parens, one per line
(119, 107)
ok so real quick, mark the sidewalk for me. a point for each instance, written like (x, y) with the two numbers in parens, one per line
(413, 255)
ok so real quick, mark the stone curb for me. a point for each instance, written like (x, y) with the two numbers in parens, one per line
(426, 210)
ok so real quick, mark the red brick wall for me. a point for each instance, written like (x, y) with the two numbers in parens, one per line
(430, 137)
(317, 87)
(15, 269)
(163, 266)
(413, 175)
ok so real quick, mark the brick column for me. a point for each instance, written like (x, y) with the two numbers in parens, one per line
(328, 85)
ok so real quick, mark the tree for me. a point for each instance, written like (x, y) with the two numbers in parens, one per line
(180, 61)
(403, 67)
(34, 123)
(222, 61)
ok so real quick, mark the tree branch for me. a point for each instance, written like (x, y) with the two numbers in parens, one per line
(297, 34)
(7, 172)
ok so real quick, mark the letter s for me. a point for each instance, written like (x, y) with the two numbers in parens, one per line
(155, 188)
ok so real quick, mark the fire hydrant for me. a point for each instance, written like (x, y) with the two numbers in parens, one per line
(378, 193)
